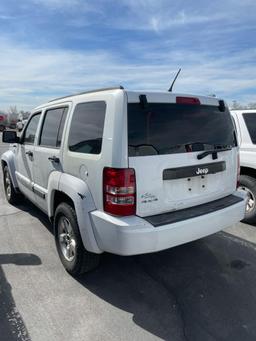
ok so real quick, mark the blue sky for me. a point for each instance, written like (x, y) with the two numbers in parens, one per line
(51, 48)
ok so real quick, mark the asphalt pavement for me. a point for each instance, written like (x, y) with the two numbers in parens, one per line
(201, 291)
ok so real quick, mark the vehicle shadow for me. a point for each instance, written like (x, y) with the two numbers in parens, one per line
(34, 211)
(199, 291)
(12, 326)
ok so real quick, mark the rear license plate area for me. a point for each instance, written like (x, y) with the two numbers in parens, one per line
(193, 171)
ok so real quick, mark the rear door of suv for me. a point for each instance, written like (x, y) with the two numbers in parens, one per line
(47, 155)
(167, 140)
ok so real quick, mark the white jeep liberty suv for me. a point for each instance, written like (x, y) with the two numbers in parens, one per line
(126, 172)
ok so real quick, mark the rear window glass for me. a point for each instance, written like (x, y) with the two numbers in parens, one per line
(86, 129)
(250, 121)
(167, 128)
(53, 127)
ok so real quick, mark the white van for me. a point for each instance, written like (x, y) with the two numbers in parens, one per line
(127, 172)
(245, 121)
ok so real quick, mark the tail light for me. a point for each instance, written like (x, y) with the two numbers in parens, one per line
(238, 171)
(119, 191)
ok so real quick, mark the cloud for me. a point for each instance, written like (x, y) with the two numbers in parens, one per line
(55, 4)
(135, 15)
(156, 16)
(161, 15)
(57, 47)
(6, 17)
(32, 76)
(60, 6)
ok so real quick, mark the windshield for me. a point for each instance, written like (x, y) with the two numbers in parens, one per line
(167, 128)
(250, 121)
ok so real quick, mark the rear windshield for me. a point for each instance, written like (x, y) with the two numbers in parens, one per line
(250, 120)
(168, 128)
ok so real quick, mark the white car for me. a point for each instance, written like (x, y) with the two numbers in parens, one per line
(245, 121)
(20, 124)
(127, 172)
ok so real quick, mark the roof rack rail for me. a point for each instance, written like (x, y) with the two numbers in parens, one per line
(88, 92)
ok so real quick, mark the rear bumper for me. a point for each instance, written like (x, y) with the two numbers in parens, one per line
(134, 235)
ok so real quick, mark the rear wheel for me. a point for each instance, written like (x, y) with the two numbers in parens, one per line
(11, 195)
(72, 253)
(248, 184)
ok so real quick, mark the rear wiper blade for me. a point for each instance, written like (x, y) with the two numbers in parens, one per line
(214, 153)
(190, 146)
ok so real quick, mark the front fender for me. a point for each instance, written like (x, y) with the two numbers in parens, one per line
(81, 196)
(9, 158)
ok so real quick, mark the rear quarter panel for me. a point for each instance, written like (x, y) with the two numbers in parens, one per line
(89, 167)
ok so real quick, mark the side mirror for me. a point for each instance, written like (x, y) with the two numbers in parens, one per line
(10, 137)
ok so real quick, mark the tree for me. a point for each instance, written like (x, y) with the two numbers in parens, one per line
(12, 110)
(12, 114)
(237, 106)
(251, 105)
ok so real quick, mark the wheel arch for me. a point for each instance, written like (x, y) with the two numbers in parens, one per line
(8, 159)
(59, 197)
(248, 171)
(75, 192)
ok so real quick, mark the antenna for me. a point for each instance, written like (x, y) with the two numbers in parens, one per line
(177, 74)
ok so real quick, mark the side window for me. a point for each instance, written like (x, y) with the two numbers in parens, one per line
(250, 121)
(52, 129)
(61, 127)
(30, 133)
(86, 129)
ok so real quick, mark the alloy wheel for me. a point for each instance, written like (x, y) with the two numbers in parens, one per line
(8, 188)
(251, 199)
(66, 239)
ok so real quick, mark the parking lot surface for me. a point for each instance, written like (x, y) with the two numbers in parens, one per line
(203, 290)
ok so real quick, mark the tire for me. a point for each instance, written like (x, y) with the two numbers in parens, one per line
(248, 183)
(75, 259)
(11, 195)
(2, 128)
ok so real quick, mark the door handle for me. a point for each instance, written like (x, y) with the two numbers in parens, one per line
(54, 159)
(29, 153)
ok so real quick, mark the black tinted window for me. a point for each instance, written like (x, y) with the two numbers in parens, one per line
(30, 133)
(87, 128)
(166, 128)
(250, 120)
(61, 126)
(53, 127)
